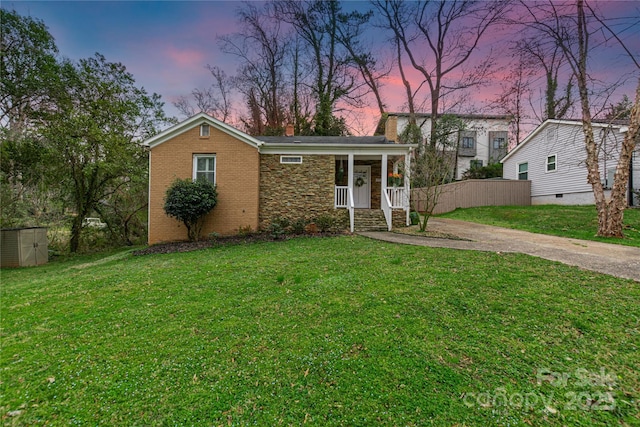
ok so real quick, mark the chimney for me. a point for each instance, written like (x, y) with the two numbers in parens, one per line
(391, 128)
(289, 130)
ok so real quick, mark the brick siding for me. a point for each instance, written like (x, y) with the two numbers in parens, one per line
(237, 180)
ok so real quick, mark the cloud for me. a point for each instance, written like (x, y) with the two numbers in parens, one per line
(184, 58)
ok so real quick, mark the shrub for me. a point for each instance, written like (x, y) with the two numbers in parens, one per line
(298, 226)
(493, 170)
(414, 217)
(278, 227)
(189, 201)
(93, 240)
(325, 223)
(245, 231)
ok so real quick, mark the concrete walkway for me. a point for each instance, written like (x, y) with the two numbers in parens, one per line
(616, 260)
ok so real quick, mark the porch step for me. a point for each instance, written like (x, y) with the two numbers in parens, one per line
(369, 220)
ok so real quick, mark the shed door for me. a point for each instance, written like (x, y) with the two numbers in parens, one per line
(41, 246)
(27, 248)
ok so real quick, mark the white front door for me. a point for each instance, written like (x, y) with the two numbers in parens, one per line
(362, 187)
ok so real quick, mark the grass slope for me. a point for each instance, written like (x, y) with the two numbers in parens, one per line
(578, 222)
(336, 331)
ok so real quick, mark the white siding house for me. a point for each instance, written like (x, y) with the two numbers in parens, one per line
(553, 158)
(484, 141)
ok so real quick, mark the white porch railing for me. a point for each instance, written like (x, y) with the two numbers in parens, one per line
(394, 198)
(344, 199)
(386, 208)
(351, 205)
(341, 196)
(397, 197)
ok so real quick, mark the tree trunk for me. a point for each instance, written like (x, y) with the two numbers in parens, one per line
(610, 212)
(76, 230)
(435, 115)
(617, 204)
(593, 167)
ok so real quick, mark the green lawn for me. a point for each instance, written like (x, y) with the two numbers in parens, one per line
(334, 331)
(579, 222)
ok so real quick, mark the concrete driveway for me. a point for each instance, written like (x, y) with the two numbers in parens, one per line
(616, 260)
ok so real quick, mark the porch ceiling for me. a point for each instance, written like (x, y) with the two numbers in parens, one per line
(364, 157)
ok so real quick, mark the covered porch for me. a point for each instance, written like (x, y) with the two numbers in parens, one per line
(373, 182)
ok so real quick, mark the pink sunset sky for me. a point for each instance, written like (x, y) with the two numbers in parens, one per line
(166, 46)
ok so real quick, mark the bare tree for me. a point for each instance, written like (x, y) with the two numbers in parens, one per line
(301, 104)
(433, 166)
(569, 27)
(370, 67)
(515, 90)
(549, 58)
(299, 61)
(439, 39)
(262, 46)
(222, 106)
(214, 100)
(342, 70)
(534, 59)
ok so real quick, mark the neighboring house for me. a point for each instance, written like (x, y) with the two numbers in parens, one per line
(484, 141)
(260, 179)
(553, 158)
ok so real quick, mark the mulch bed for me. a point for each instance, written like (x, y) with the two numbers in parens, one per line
(414, 230)
(168, 248)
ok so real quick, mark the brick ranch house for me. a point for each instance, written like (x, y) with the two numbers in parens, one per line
(262, 178)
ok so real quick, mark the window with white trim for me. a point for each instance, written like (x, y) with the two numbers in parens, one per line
(291, 160)
(475, 164)
(204, 167)
(204, 130)
(552, 163)
(523, 171)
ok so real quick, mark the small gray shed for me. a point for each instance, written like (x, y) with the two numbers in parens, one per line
(23, 247)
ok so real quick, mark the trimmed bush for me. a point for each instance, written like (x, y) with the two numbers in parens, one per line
(414, 217)
(189, 201)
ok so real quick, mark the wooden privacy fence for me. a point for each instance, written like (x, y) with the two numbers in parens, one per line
(474, 192)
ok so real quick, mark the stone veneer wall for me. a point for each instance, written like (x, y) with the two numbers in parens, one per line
(398, 218)
(298, 191)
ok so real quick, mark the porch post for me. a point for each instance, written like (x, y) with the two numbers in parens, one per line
(350, 200)
(383, 181)
(407, 185)
(350, 171)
